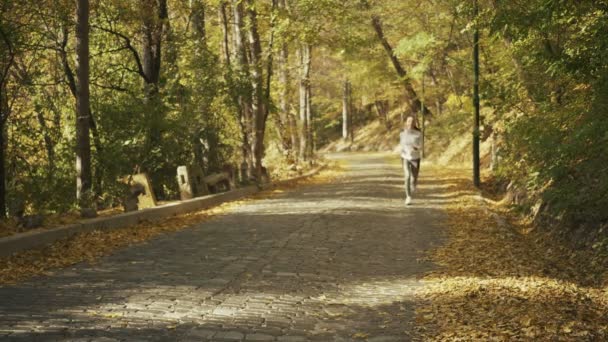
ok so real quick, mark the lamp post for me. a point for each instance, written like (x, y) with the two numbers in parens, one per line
(476, 178)
(422, 118)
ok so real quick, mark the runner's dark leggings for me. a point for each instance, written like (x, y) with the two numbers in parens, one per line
(411, 169)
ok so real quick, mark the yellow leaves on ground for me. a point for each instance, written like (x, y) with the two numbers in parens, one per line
(360, 336)
(90, 246)
(9, 227)
(496, 284)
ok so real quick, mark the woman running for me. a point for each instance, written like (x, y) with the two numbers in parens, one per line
(410, 139)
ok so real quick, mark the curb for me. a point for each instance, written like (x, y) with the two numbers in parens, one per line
(23, 241)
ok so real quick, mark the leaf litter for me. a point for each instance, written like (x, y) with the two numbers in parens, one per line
(499, 280)
(90, 246)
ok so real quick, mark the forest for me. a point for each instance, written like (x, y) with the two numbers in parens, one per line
(92, 91)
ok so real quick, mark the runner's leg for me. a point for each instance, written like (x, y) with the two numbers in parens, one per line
(415, 167)
(408, 178)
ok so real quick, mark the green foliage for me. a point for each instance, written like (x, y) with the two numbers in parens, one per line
(551, 94)
(544, 85)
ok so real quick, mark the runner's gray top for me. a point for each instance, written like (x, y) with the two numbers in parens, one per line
(409, 142)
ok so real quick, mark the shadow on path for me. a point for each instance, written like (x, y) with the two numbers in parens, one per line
(321, 262)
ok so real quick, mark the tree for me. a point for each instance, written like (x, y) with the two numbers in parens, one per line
(7, 62)
(347, 112)
(257, 85)
(413, 100)
(242, 90)
(83, 143)
(304, 54)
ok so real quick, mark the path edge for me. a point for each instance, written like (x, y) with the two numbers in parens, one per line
(29, 240)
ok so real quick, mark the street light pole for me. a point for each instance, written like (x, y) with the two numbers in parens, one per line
(422, 118)
(476, 177)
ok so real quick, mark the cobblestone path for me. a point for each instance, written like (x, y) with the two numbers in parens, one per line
(328, 262)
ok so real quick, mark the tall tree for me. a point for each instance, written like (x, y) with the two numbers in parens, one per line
(225, 43)
(346, 110)
(155, 16)
(287, 120)
(197, 16)
(309, 117)
(83, 143)
(283, 123)
(155, 21)
(304, 54)
(7, 62)
(243, 97)
(257, 85)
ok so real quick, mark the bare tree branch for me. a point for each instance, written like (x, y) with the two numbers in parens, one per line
(128, 45)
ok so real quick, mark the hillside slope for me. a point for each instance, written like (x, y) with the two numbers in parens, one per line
(440, 148)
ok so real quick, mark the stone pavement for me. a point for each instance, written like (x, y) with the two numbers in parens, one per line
(327, 262)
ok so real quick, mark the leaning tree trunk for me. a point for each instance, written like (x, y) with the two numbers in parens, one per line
(83, 143)
(412, 98)
(305, 61)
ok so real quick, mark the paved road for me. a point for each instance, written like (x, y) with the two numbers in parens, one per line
(329, 262)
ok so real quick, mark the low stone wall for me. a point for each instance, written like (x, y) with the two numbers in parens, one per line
(33, 239)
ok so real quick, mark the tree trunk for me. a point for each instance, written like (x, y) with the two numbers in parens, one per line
(83, 143)
(257, 84)
(494, 151)
(197, 17)
(3, 180)
(412, 98)
(289, 117)
(439, 98)
(48, 144)
(310, 121)
(382, 108)
(346, 110)
(305, 61)
(4, 114)
(284, 128)
(156, 14)
(155, 17)
(71, 80)
(244, 102)
(351, 116)
(225, 32)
